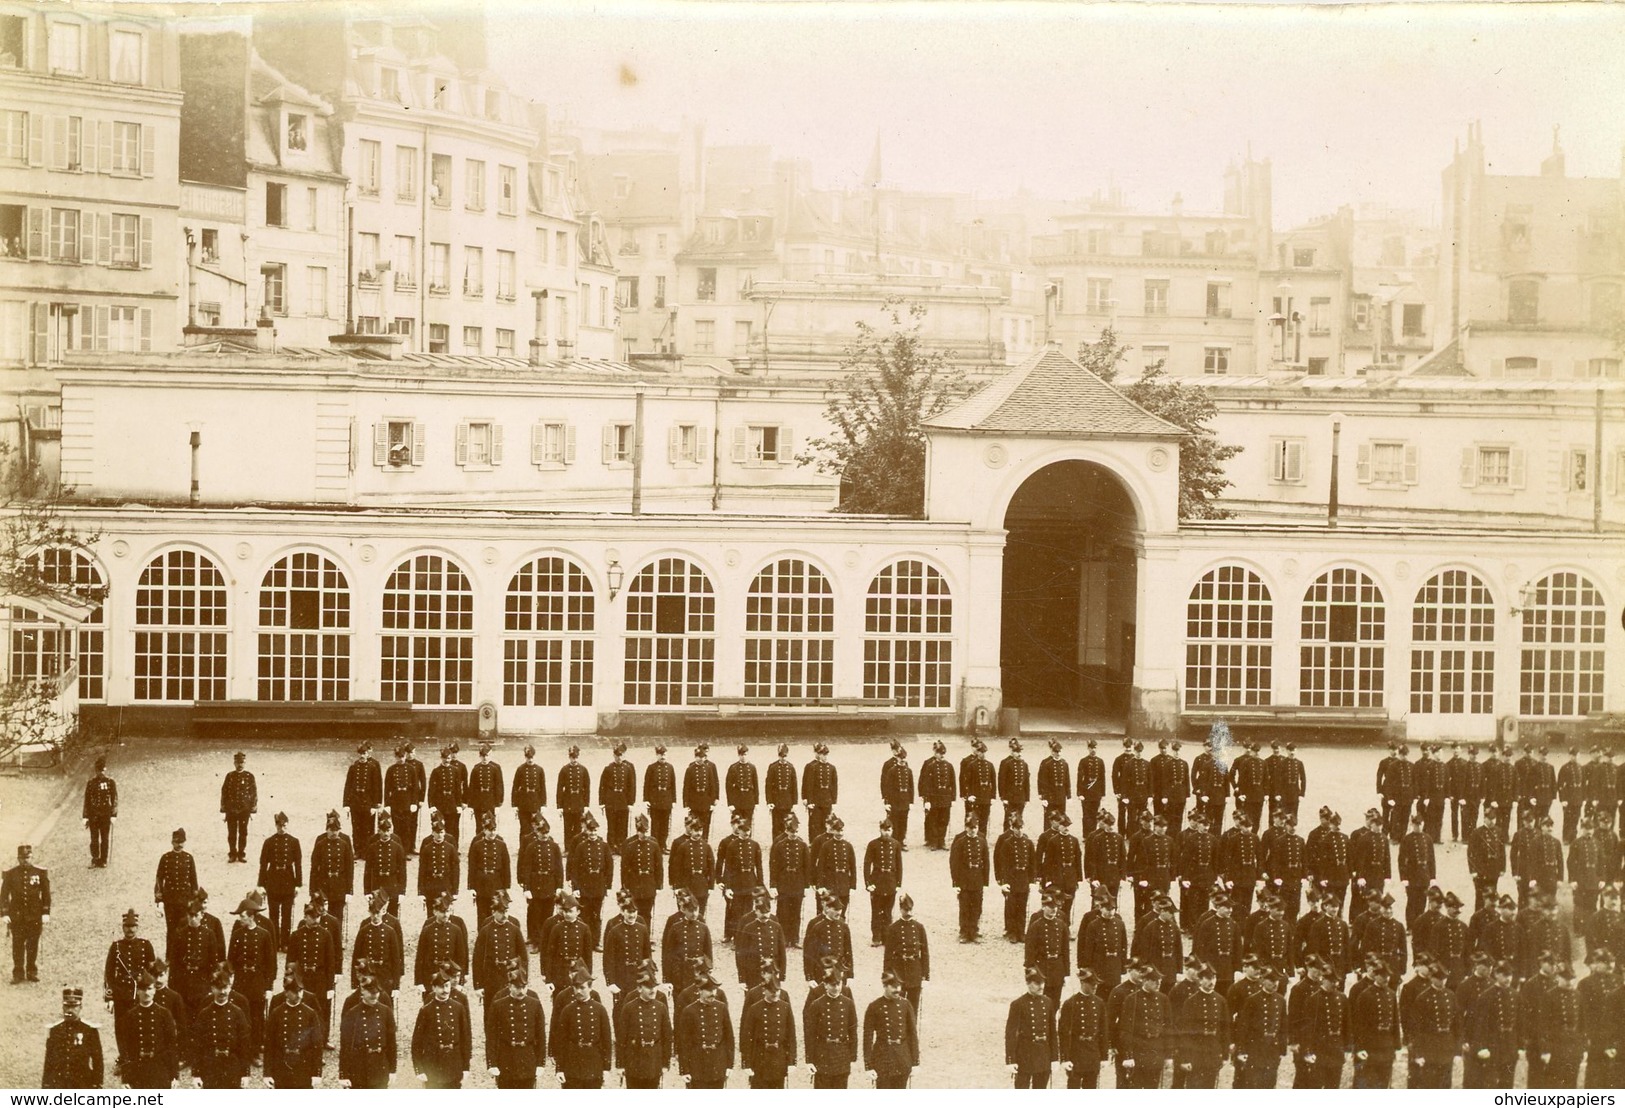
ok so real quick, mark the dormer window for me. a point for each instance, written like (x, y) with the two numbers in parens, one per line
(67, 45)
(297, 127)
(12, 32)
(389, 85)
(125, 56)
(493, 105)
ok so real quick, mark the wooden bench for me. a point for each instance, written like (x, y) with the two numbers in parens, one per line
(731, 714)
(1306, 722)
(372, 718)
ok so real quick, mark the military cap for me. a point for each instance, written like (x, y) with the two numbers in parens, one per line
(1055, 745)
(784, 749)
(660, 748)
(625, 899)
(221, 979)
(939, 747)
(1091, 744)
(131, 918)
(1015, 746)
(618, 748)
(574, 751)
(568, 900)
(835, 823)
(292, 979)
(703, 748)
(239, 757)
(1206, 972)
(73, 995)
(333, 824)
(1034, 974)
(1387, 900)
(580, 974)
(146, 980)
(378, 900)
(530, 751)
(178, 835)
(1451, 900)
(1435, 893)
(1148, 971)
(437, 822)
(820, 748)
(485, 748)
(890, 977)
(647, 978)
(1506, 901)
(158, 966)
(589, 821)
(979, 746)
(1105, 819)
(1482, 958)
(641, 822)
(906, 902)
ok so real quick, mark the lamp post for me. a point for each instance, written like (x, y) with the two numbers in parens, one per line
(614, 575)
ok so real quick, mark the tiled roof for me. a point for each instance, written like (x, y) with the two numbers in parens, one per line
(1050, 394)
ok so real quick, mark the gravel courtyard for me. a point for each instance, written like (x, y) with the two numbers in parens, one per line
(164, 784)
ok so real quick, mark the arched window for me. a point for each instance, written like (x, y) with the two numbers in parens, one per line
(548, 640)
(790, 633)
(1229, 640)
(1453, 646)
(41, 647)
(181, 615)
(304, 637)
(1342, 654)
(74, 571)
(428, 642)
(671, 623)
(1562, 660)
(908, 646)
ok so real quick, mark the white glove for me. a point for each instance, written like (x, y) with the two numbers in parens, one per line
(197, 1082)
(493, 1071)
(1310, 1058)
(1128, 1063)
(270, 1082)
(344, 1082)
(871, 888)
(688, 1078)
(423, 1077)
(559, 1079)
(870, 1074)
(1242, 1058)
(86, 822)
(45, 919)
(1002, 888)
(242, 1082)
(614, 990)
(414, 807)
(1012, 1067)
(316, 1082)
(1361, 1055)
(1484, 1053)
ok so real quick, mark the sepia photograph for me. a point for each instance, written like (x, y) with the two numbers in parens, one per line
(790, 544)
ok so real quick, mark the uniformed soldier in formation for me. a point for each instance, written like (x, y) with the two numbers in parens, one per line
(252, 954)
(221, 1047)
(938, 791)
(99, 810)
(515, 1034)
(828, 942)
(315, 955)
(385, 869)
(1015, 782)
(1030, 1044)
(1283, 863)
(1240, 863)
(73, 1048)
(1464, 783)
(442, 1044)
(617, 792)
(1081, 1034)
(198, 952)
(485, 786)
(820, 791)
(443, 940)
(1289, 783)
(1059, 858)
(529, 792)
(499, 945)
(582, 1042)
(1049, 946)
(1202, 1032)
(332, 867)
(882, 877)
(174, 886)
(363, 796)
(1249, 782)
(891, 1040)
(1170, 785)
(701, 789)
(404, 794)
(128, 958)
(1015, 868)
(1600, 786)
(489, 866)
(781, 789)
(1261, 1034)
(293, 1037)
(767, 1033)
(239, 800)
(1157, 940)
(445, 793)
(705, 1037)
(149, 1046)
(834, 862)
(1196, 856)
(897, 791)
(567, 942)
(831, 1032)
(378, 944)
(759, 940)
(282, 875)
(741, 785)
(684, 937)
(626, 947)
(1210, 779)
(645, 1039)
(739, 873)
(574, 795)
(642, 869)
(970, 870)
(660, 795)
(1105, 858)
(978, 783)
(1150, 864)
(367, 1057)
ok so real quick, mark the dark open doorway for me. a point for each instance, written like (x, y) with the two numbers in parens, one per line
(1069, 592)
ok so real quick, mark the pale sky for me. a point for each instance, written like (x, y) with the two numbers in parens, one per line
(1350, 103)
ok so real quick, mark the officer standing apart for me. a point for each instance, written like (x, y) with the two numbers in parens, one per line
(239, 799)
(73, 1048)
(25, 906)
(99, 811)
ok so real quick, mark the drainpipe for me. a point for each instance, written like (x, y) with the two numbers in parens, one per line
(196, 441)
(716, 447)
(1331, 496)
(637, 450)
(1596, 468)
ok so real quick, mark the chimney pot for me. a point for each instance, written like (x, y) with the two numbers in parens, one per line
(265, 336)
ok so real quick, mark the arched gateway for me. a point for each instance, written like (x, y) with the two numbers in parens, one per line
(1070, 488)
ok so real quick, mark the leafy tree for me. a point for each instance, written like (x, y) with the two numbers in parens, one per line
(893, 384)
(1188, 406)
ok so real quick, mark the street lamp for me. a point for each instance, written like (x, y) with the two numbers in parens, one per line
(614, 575)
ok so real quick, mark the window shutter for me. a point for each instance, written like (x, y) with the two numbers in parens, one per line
(461, 448)
(87, 238)
(1469, 467)
(41, 332)
(87, 146)
(87, 327)
(538, 443)
(146, 242)
(1515, 468)
(702, 443)
(104, 139)
(496, 444)
(787, 445)
(1498, 367)
(419, 443)
(104, 239)
(146, 328)
(59, 142)
(380, 444)
(149, 158)
(1362, 464)
(673, 442)
(609, 443)
(36, 232)
(739, 446)
(569, 444)
(36, 138)
(103, 316)
(1611, 476)
(1410, 464)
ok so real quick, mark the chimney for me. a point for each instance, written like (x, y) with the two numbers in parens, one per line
(1555, 163)
(1179, 205)
(385, 347)
(264, 336)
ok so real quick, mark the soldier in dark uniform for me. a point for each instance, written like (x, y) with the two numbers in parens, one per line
(1283, 864)
(1492, 1034)
(617, 792)
(1158, 942)
(314, 954)
(759, 939)
(684, 937)
(198, 951)
(767, 1033)
(1054, 781)
(443, 941)
(1196, 867)
(574, 796)
(660, 795)
(908, 953)
(938, 791)
(644, 1037)
(485, 786)
(781, 789)
(1261, 1035)
(1326, 858)
(741, 786)
(540, 875)
(1559, 1036)
(789, 871)
(1150, 866)
(445, 794)
(1170, 787)
(127, 960)
(590, 869)
(1103, 942)
(832, 1032)
(1290, 783)
(1396, 784)
(1015, 867)
(835, 863)
(367, 1041)
(969, 868)
(897, 791)
(1218, 944)
(739, 873)
(1091, 787)
(882, 877)
(149, 1047)
(528, 795)
(378, 944)
(827, 943)
(1123, 785)
(568, 942)
(642, 869)
(1374, 1029)
(582, 1043)
(252, 955)
(405, 787)
(1500, 790)
(1324, 1037)
(820, 790)
(978, 783)
(281, 875)
(1014, 781)
(440, 867)
(515, 1034)
(1599, 784)
(293, 1038)
(1249, 781)
(489, 864)
(239, 800)
(363, 796)
(891, 1041)
(1571, 793)
(692, 864)
(1463, 778)
(442, 1043)
(1030, 1044)
(1370, 864)
(1049, 946)
(385, 869)
(99, 810)
(1431, 791)
(332, 867)
(73, 1048)
(500, 945)
(701, 789)
(1105, 856)
(705, 1038)
(1210, 780)
(174, 887)
(221, 1046)
(1202, 1032)
(1081, 1034)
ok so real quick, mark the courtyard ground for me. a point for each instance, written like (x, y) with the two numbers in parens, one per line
(169, 783)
